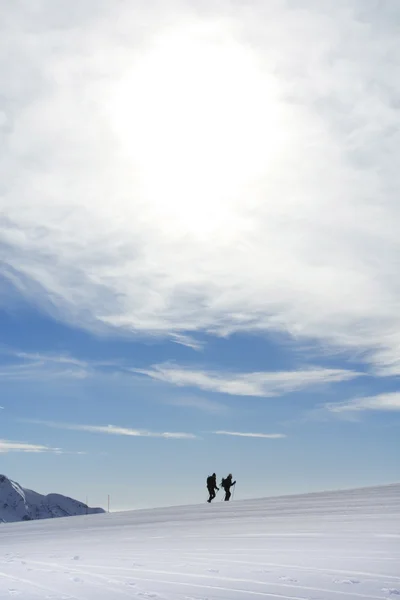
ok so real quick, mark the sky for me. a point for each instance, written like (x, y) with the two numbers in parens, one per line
(199, 249)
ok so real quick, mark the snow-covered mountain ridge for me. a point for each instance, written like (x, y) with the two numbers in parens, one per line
(20, 504)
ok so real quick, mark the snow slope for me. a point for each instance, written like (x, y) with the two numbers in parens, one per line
(19, 504)
(333, 546)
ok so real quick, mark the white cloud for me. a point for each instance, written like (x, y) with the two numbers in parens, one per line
(114, 430)
(50, 365)
(380, 402)
(9, 446)
(50, 358)
(187, 340)
(270, 436)
(264, 383)
(43, 367)
(232, 171)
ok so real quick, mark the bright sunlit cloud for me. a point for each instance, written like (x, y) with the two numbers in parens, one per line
(224, 170)
(200, 122)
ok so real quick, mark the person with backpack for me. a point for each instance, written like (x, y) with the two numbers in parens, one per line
(212, 486)
(227, 484)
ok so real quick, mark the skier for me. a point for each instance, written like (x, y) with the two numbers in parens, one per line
(212, 486)
(227, 484)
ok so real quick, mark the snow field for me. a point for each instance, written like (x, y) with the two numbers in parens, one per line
(329, 546)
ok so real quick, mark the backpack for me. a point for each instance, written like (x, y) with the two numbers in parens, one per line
(209, 481)
(223, 481)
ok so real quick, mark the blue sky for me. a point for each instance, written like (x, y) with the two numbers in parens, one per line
(199, 248)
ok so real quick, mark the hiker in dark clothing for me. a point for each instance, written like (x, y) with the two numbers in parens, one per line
(212, 486)
(227, 484)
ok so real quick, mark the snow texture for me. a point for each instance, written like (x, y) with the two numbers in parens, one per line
(328, 546)
(20, 504)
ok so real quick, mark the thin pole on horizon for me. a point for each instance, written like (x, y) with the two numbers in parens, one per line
(108, 502)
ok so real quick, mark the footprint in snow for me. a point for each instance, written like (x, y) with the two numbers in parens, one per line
(213, 570)
(288, 579)
(77, 557)
(13, 592)
(77, 580)
(391, 591)
(346, 581)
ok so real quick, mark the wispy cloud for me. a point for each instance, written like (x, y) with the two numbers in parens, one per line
(48, 366)
(114, 430)
(187, 340)
(37, 366)
(52, 365)
(39, 371)
(275, 208)
(10, 446)
(270, 436)
(380, 402)
(62, 359)
(264, 383)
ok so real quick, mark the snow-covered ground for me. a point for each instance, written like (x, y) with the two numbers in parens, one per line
(330, 546)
